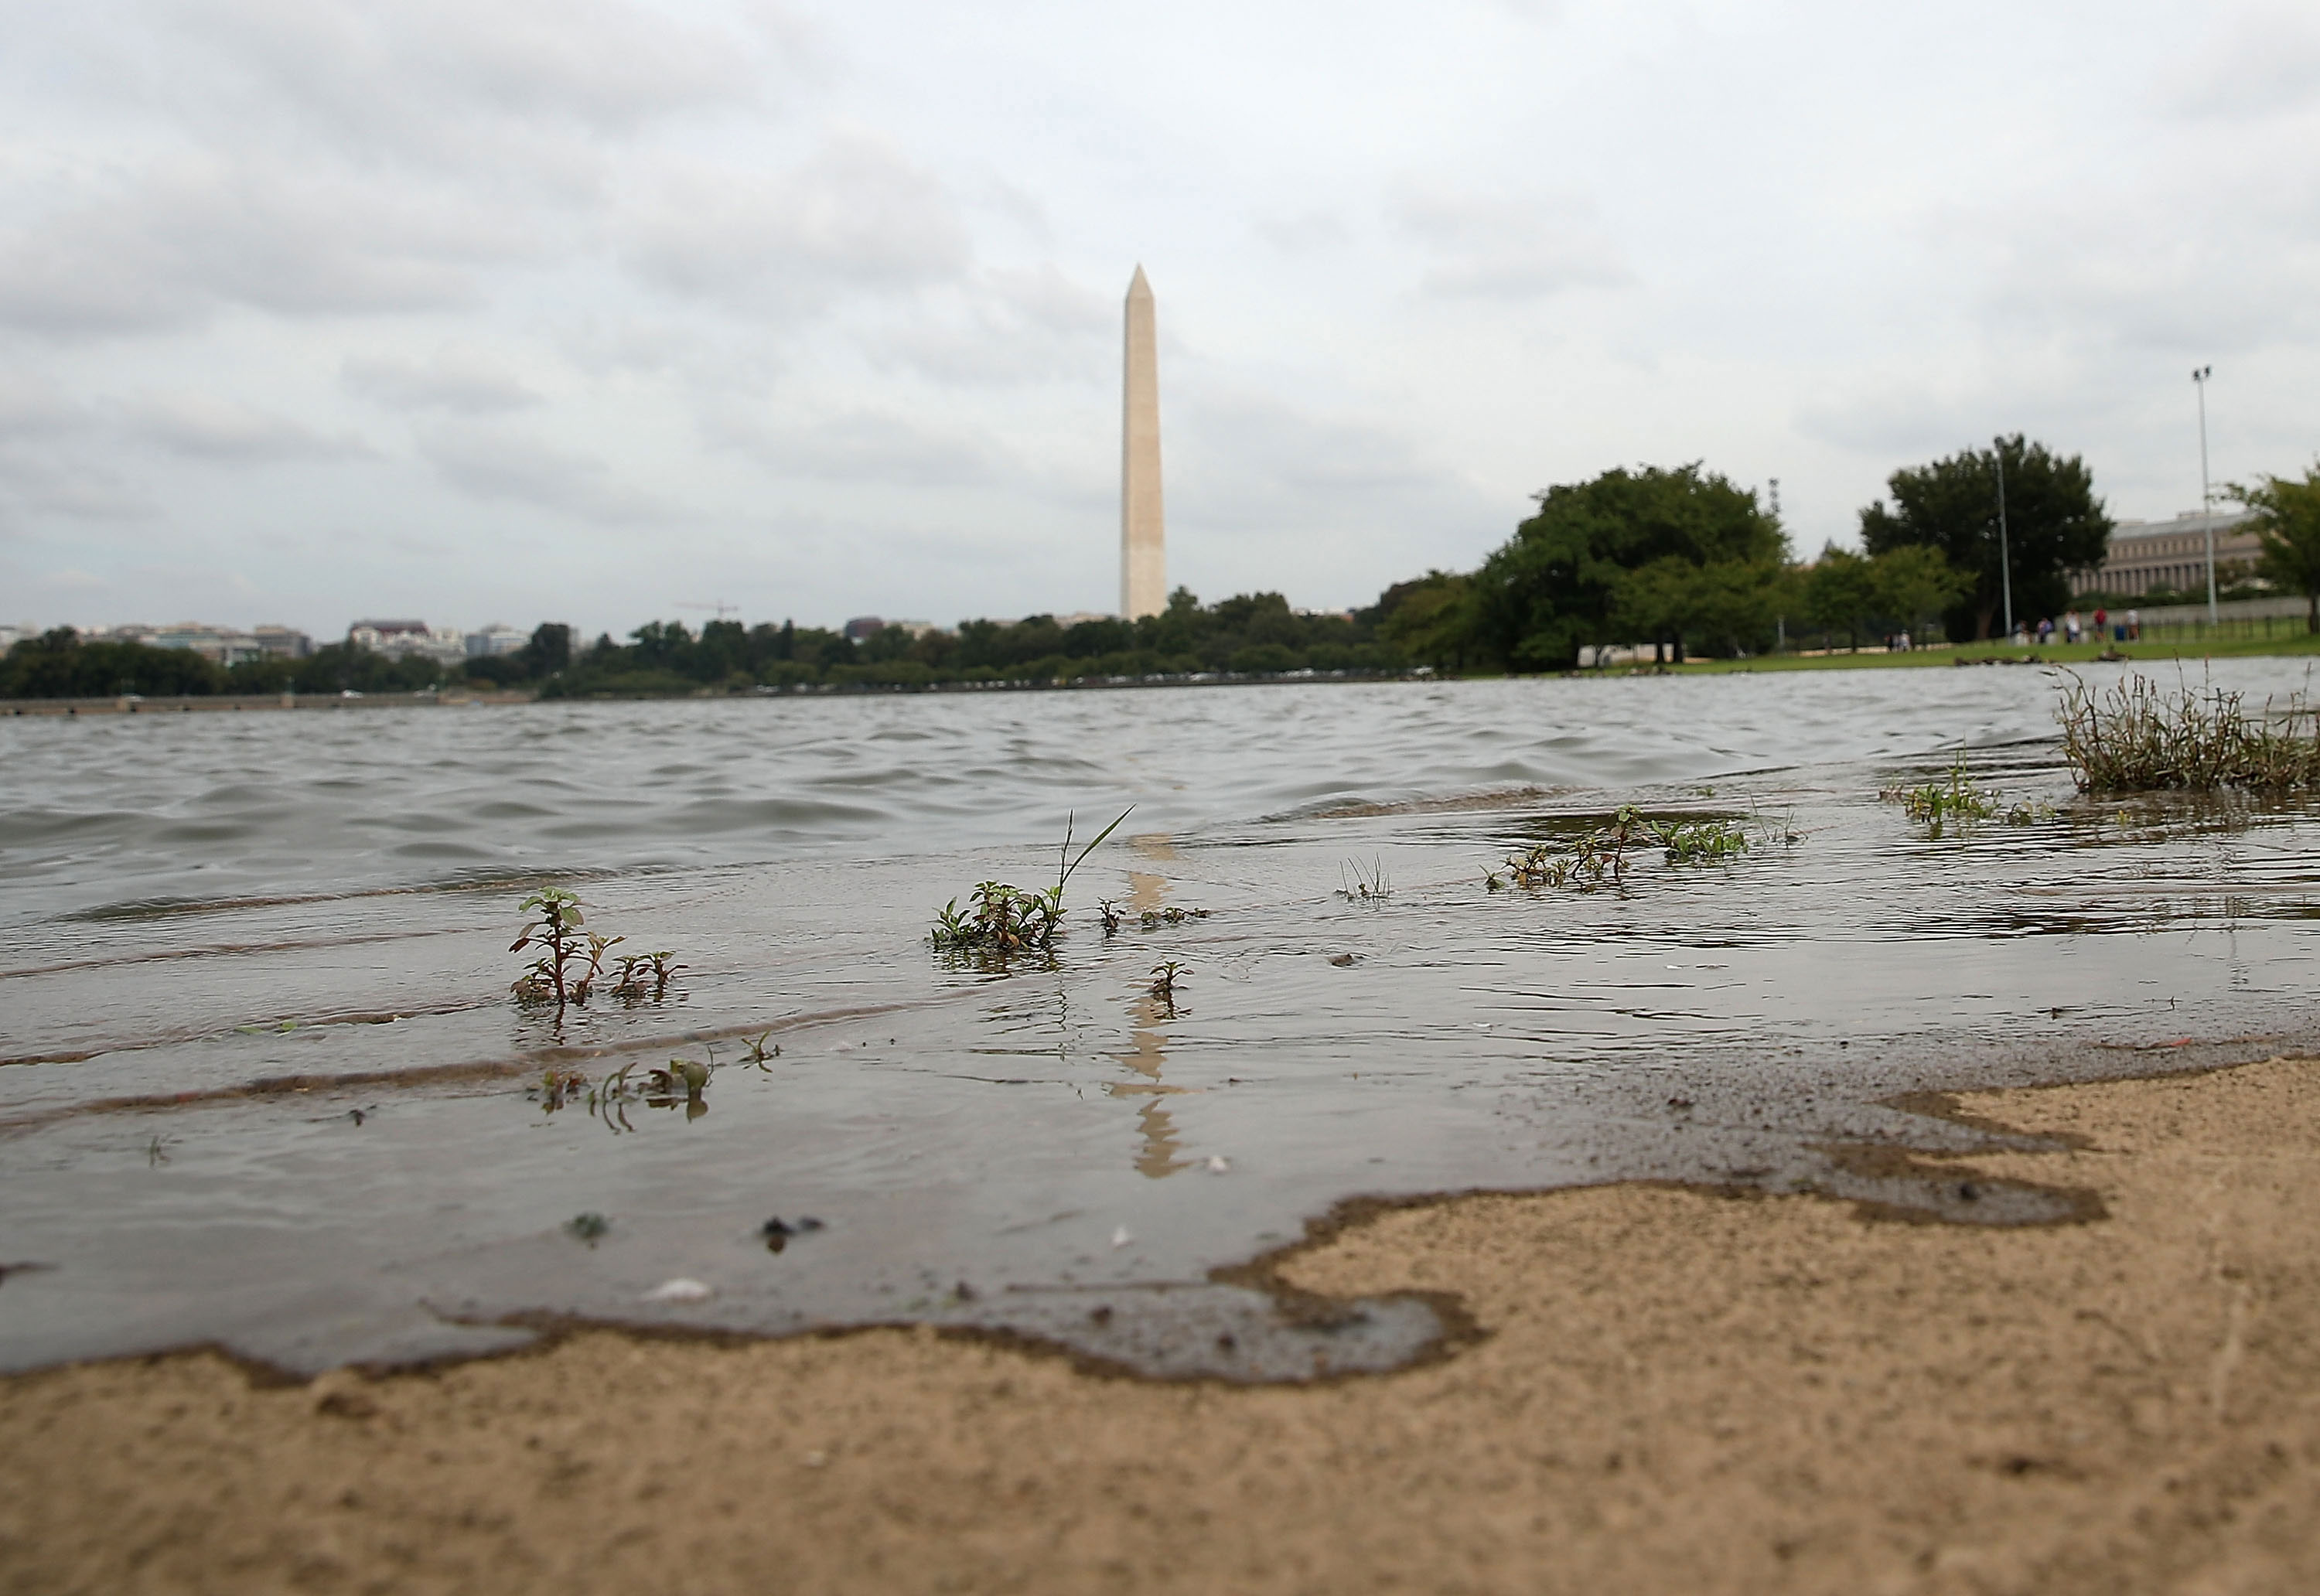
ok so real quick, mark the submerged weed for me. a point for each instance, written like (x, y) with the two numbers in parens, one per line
(1603, 855)
(1598, 857)
(1356, 885)
(2135, 738)
(590, 1228)
(1164, 976)
(1951, 803)
(1152, 920)
(1003, 919)
(1690, 840)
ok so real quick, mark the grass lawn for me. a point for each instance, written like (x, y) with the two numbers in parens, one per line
(2149, 649)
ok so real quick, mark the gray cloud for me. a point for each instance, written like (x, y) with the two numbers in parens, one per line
(854, 218)
(467, 384)
(1499, 246)
(1008, 326)
(496, 464)
(867, 447)
(493, 87)
(176, 244)
(1304, 232)
(203, 426)
(2263, 62)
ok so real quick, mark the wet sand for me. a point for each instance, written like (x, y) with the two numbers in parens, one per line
(1671, 1391)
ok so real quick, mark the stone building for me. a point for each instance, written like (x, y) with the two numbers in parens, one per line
(2145, 555)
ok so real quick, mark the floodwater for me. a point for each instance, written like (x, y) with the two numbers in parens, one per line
(263, 1082)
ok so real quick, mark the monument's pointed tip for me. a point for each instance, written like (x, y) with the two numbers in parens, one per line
(1137, 284)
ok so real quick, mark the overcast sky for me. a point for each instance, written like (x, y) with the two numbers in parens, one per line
(513, 310)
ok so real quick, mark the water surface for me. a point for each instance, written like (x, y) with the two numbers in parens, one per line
(267, 1086)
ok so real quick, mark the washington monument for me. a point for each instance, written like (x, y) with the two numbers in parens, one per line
(1143, 536)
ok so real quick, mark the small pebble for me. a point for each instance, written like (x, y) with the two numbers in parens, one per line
(679, 1290)
(1216, 1163)
(1120, 1237)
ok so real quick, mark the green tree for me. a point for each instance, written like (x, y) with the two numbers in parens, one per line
(1840, 594)
(1555, 587)
(2288, 522)
(1724, 607)
(549, 649)
(2054, 525)
(1431, 620)
(1913, 583)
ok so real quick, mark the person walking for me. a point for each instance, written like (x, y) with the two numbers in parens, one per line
(2135, 626)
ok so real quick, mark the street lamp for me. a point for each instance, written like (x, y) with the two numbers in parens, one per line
(2207, 498)
(2005, 561)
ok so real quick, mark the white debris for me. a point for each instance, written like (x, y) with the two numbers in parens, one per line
(679, 1290)
(1120, 1237)
(1216, 1163)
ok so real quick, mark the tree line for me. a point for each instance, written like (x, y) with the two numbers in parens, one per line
(1250, 634)
(1679, 559)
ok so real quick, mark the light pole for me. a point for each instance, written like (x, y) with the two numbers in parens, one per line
(2207, 498)
(2004, 560)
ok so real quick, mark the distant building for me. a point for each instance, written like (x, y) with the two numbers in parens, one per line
(9, 636)
(227, 645)
(2173, 554)
(399, 639)
(495, 640)
(861, 627)
(283, 642)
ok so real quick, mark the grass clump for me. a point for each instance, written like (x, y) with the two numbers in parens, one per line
(2135, 738)
(1003, 919)
(1358, 886)
(1603, 855)
(1953, 802)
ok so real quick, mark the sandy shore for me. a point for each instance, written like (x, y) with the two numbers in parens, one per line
(1675, 1392)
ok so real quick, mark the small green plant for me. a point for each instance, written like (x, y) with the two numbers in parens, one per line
(557, 933)
(2135, 738)
(1002, 919)
(1152, 920)
(758, 1052)
(1688, 841)
(1951, 803)
(1109, 913)
(571, 961)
